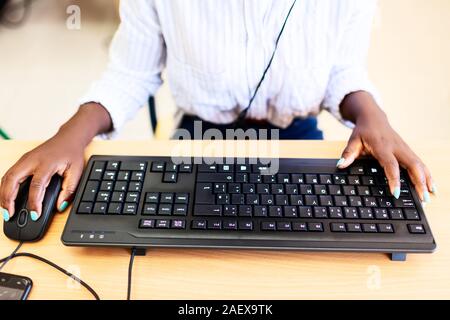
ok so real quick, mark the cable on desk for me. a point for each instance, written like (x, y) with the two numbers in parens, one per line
(67, 273)
(6, 260)
(130, 272)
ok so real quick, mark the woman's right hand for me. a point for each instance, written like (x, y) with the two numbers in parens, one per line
(63, 154)
(54, 156)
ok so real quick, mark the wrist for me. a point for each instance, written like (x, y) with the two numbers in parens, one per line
(90, 120)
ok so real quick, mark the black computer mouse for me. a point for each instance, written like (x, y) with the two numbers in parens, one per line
(21, 227)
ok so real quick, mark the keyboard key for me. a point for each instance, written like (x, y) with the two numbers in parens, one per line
(268, 226)
(315, 227)
(214, 224)
(225, 168)
(350, 213)
(170, 177)
(325, 179)
(185, 168)
(158, 166)
(165, 209)
(260, 211)
(215, 177)
(107, 186)
(385, 228)
(109, 175)
(305, 212)
(311, 178)
(129, 209)
(204, 194)
(366, 213)
(135, 186)
(137, 176)
(114, 208)
(356, 170)
(396, 214)
(180, 210)
(275, 211)
(123, 176)
(207, 168)
(178, 224)
(416, 228)
(230, 225)
(118, 196)
(113, 165)
(381, 214)
(133, 166)
(182, 198)
(404, 203)
(121, 186)
(245, 211)
(284, 226)
(147, 224)
(85, 207)
(290, 211)
(90, 191)
(246, 225)
(132, 197)
(150, 209)
(297, 178)
(171, 167)
(98, 169)
(100, 208)
(299, 226)
(320, 213)
(199, 224)
(207, 210)
(338, 227)
(412, 214)
(103, 196)
(336, 213)
(162, 224)
(152, 197)
(354, 227)
(230, 211)
(166, 197)
(369, 227)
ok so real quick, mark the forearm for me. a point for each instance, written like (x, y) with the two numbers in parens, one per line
(90, 120)
(361, 105)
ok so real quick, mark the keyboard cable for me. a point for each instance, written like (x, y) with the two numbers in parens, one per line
(130, 272)
(15, 254)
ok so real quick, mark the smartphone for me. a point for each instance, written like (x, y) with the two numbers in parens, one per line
(14, 287)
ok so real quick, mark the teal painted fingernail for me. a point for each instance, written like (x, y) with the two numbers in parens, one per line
(34, 215)
(341, 161)
(434, 188)
(426, 196)
(396, 192)
(5, 214)
(63, 206)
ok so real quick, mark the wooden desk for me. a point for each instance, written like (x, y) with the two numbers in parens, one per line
(237, 274)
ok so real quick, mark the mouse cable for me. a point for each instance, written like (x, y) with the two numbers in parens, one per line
(130, 272)
(6, 260)
(67, 273)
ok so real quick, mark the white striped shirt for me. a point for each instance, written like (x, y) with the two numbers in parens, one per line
(215, 52)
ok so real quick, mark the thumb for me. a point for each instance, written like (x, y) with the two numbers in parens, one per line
(352, 151)
(69, 186)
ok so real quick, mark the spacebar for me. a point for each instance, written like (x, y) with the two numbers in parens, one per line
(207, 210)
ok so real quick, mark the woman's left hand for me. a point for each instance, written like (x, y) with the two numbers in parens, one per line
(374, 136)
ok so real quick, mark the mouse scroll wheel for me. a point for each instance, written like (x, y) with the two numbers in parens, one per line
(23, 217)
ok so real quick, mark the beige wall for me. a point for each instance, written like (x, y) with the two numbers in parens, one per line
(44, 68)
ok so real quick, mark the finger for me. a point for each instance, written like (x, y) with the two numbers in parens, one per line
(391, 169)
(9, 189)
(69, 186)
(352, 151)
(430, 182)
(38, 185)
(418, 177)
(419, 174)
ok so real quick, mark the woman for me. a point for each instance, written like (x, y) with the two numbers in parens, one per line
(215, 53)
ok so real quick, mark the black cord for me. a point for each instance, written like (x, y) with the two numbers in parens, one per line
(130, 272)
(6, 260)
(243, 113)
(67, 273)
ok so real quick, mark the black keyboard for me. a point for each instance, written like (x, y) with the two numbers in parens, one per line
(305, 204)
